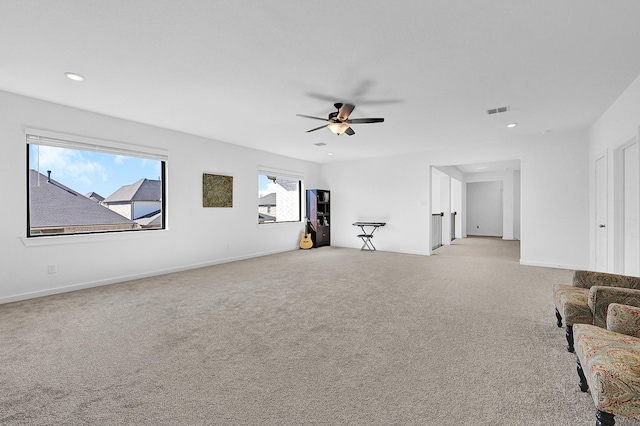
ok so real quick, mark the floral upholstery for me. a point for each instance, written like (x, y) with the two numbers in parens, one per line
(601, 297)
(579, 303)
(587, 299)
(572, 303)
(611, 362)
(624, 319)
(587, 279)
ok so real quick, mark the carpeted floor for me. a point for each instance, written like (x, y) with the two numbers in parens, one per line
(324, 336)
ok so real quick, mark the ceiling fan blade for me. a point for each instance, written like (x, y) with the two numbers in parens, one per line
(309, 116)
(345, 110)
(380, 101)
(317, 128)
(323, 97)
(365, 120)
(350, 131)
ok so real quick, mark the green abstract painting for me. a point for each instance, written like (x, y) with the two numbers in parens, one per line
(217, 190)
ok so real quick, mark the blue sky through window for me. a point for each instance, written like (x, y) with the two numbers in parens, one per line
(88, 171)
(265, 186)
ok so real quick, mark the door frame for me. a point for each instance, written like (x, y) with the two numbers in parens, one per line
(602, 156)
(619, 204)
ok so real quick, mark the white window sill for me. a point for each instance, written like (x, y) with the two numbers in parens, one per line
(279, 224)
(91, 238)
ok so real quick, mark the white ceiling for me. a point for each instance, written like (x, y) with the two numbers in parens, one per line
(240, 71)
(490, 166)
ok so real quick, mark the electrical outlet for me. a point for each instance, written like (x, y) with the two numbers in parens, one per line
(51, 269)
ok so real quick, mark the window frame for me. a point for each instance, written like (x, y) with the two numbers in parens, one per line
(268, 171)
(82, 143)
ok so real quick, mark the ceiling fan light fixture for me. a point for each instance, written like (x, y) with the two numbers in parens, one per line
(339, 121)
(338, 128)
(73, 76)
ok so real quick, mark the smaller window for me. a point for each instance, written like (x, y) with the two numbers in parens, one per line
(279, 198)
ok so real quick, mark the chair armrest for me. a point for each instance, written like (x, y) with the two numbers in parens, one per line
(600, 297)
(624, 319)
(581, 279)
(587, 279)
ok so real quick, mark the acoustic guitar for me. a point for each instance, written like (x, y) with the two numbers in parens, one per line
(305, 239)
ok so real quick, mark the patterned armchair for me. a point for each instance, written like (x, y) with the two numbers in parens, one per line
(609, 363)
(586, 300)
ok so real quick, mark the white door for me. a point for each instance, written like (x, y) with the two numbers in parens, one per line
(601, 214)
(631, 211)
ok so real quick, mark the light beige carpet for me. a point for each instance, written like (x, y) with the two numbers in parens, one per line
(324, 336)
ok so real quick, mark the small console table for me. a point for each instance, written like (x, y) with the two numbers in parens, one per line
(367, 236)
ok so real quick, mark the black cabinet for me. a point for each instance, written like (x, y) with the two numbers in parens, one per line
(319, 215)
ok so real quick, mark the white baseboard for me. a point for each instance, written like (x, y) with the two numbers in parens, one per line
(124, 278)
(416, 252)
(552, 265)
(403, 251)
(114, 280)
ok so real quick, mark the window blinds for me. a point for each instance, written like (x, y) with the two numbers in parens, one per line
(42, 137)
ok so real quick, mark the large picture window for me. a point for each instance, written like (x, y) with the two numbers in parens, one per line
(279, 198)
(75, 187)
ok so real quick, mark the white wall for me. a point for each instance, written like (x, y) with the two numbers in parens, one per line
(390, 189)
(555, 201)
(196, 236)
(510, 193)
(441, 202)
(617, 126)
(445, 203)
(484, 208)
(395, 189)
(516, 204)
(456, 206)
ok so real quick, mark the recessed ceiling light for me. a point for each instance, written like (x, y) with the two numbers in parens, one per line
(330, 153)
(73, 76)
(510, 125)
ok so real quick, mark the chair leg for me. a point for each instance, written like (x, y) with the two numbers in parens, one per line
(604, 419)
(584, 386)
(559, 318)
(569, 335)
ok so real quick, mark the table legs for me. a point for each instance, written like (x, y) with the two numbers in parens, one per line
(366, 239)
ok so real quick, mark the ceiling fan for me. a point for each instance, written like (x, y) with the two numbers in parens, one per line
(339, 121)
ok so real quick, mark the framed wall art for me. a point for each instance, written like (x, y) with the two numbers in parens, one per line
(217, 190)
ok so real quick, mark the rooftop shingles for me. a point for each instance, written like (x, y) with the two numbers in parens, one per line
(142, 190)
(54, 205)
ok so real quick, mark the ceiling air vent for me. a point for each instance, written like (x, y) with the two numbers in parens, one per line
(498, 110)
(320, 144)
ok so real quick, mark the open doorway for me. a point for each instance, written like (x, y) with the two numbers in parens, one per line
(450, 196)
